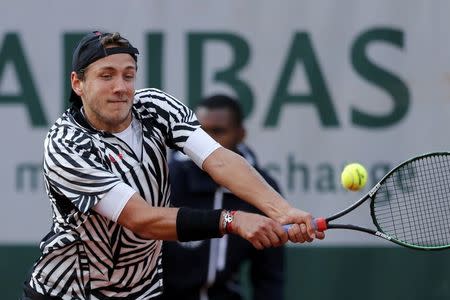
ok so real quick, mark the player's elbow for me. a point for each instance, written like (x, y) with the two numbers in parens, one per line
(141, 229)
(135, 217)
(137, 226)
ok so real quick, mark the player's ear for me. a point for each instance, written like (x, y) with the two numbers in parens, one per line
(76, 83)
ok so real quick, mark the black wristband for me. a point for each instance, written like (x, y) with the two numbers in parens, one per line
(198, 224)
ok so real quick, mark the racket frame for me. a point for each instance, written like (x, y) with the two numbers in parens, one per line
(379, 232)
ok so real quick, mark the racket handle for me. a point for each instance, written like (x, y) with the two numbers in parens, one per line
(319, 224)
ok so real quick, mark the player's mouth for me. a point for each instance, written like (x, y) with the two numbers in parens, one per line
(117, 101)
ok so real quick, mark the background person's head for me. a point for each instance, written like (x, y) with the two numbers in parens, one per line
(221, 117)
(103, 77)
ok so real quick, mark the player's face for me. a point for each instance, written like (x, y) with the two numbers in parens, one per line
(220, 125)
(107, 92)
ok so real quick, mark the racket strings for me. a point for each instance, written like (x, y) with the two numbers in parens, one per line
(413, 205)
(432, 211)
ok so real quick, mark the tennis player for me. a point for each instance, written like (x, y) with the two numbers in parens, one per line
(106, 176)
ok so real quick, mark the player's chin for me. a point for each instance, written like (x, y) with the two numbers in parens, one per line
(116, 120)
(119, 113)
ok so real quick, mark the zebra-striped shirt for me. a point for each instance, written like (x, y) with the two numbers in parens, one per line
(85, 255)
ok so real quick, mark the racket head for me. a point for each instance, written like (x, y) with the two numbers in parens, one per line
(411, 204)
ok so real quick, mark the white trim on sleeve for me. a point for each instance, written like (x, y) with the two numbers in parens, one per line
(114, 201)
(199, 146)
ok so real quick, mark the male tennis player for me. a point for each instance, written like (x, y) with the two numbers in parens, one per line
(106, 176)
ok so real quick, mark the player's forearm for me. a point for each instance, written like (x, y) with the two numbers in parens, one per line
(167, 223)
(236, 174)
(157, 223)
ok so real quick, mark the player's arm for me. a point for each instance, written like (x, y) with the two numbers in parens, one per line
(122, 204)
(157, 223)
(235, 173)
(183, 224)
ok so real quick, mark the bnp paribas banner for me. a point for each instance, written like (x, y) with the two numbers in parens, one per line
(322, 83)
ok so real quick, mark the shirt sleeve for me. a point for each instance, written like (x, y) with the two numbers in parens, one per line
(174, 119)
(114, 201)
(199, 146)
(73, 168)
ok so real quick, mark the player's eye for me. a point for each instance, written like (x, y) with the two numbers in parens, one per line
(129, 77)
(106, 76)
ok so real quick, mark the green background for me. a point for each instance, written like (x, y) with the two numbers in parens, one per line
(313, 273)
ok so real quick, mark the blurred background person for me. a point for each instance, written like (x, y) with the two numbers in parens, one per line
(210, 269)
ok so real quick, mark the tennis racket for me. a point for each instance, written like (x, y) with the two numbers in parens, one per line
(410, 205)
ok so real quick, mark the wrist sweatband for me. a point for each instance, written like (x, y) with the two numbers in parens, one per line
(198, 224)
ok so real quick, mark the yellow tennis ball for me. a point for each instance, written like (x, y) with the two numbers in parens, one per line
(354, 177)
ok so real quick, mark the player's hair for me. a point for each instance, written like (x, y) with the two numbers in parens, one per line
(223, 101)
(108, 40)
(114, 39)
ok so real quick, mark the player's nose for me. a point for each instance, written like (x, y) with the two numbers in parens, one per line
(120, 85)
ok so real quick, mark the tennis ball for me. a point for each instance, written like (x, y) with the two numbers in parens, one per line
(354, 177)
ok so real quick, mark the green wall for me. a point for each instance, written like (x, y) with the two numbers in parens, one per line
(368, 273)
(314, 273)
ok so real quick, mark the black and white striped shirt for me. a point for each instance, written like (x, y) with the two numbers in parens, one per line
(86, 255)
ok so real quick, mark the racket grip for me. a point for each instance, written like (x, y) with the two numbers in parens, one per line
(319, 224)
